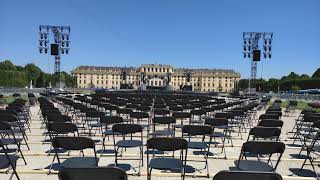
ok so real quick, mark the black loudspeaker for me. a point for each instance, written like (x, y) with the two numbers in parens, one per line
(54, 49)
(256, 55)
(187, 88)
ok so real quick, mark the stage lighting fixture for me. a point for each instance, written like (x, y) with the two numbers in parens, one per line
(269, 55)
(269, 48)
(249, 55)
(264, 47)
(244, 55)
(265, 55)
(249, 48)
(60, 34)
(249, 41)
(270, 41)
(265, 42)
(244, 42)
(245, 48)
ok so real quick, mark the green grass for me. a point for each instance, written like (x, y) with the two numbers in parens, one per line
(301, 105)
(10, 99)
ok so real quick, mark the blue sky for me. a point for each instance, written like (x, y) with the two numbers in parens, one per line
(183, 33)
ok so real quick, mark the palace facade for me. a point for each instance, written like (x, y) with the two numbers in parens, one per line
(215, 80)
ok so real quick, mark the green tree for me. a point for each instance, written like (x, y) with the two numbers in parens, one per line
(33, 72)
(7, 65)
(41, 81)
(316, 74)
(304, 76)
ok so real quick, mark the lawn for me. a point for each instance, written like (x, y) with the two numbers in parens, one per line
(301, 105)
(10, 99)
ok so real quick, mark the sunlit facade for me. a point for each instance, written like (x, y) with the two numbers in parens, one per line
(213, 80)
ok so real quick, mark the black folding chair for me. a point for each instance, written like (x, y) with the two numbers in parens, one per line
(8, 138)
(123, 130)
(100, 173)
(107, 121)
(271, 123)
(270, 133)
(182, 116)
(260, 149)
(16, 127)
(190, 131)
(8, 161)
(197, 116)
(167, 163)
(74, 144)
(246, 175)
(311, 145)
(167, 123)
(219, 130)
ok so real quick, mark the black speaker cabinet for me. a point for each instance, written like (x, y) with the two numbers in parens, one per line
(256, 55)
(54, 49)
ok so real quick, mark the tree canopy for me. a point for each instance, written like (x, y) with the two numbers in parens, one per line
(291, 82)
(316, 74)
(18, 76)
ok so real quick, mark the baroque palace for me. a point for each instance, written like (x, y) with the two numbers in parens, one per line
(156, 75)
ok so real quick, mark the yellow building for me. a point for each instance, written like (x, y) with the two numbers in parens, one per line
(216, 80)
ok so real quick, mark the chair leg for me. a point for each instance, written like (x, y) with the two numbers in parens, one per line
(14, 171)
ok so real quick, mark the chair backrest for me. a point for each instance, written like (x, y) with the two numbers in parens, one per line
(269, 116)
(167, 144)
(310, 118)
(4, 125)
(161, 111)
(271, 123)
(58, 118)
(226, 115)
(198, 112)
(216, 122)
(181, 115)
(193, 130)
(111, 119)
(264, 132)
(92, 174)
(139, 115)
(164, 120)
(8, 118)
(60, 127)
(73, 143)
(126, 128)
(263, 147)
(246, 175)
(95, 114)
(9, 111)
(124, 111)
